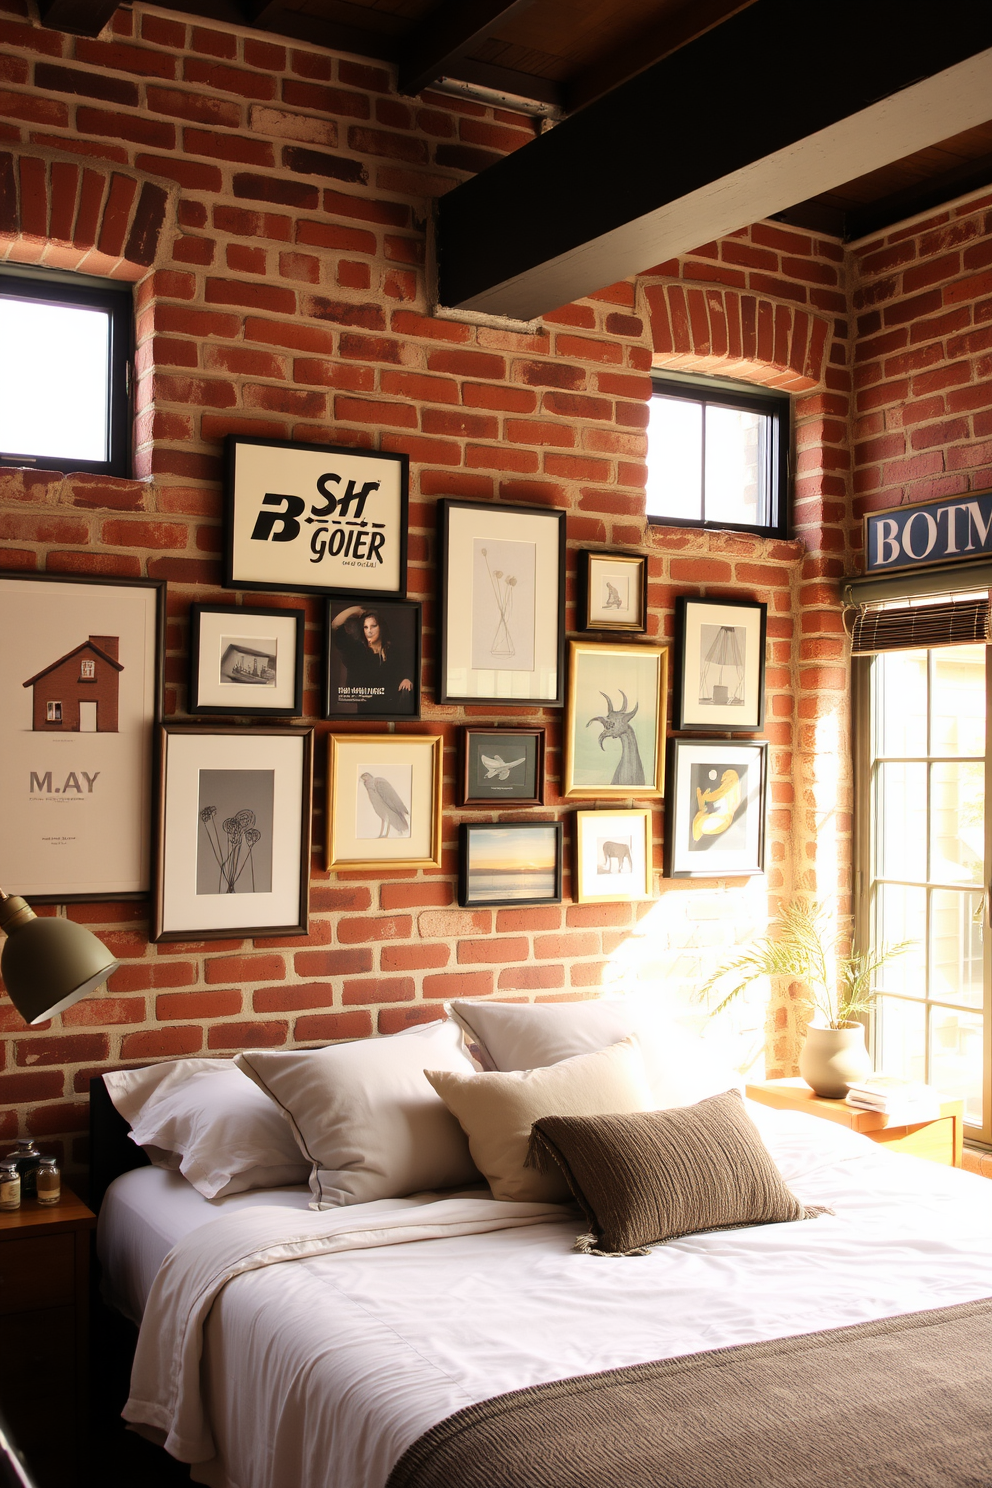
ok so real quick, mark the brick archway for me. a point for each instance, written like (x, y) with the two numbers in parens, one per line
(714, 329)
(66, 214)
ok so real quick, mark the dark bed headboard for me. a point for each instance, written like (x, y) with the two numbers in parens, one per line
(111, 1150)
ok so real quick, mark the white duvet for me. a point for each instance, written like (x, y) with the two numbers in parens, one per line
(320, 1370)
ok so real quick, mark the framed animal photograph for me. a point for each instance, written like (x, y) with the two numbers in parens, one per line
(716, 807)
(81, 691)
(502, 766)
(615, 720)
(501, 598)
(245, 661)
(613, 857)
(720, 681)
(613, 592)
(372, 659)
(233, 832)
(384, 801)
(515, 863)
(315, 518)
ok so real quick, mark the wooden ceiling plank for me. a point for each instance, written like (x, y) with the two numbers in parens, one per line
(508, 80)
(922, 196)
(300, 25)
(445, 35)
(77, 17)
(646, 172)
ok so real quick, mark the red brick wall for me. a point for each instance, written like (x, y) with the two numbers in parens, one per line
(269, 202)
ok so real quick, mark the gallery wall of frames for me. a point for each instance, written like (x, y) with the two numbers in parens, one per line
(213, 816)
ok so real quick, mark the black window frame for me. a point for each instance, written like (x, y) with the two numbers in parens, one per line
(725, 394)
(84, 292)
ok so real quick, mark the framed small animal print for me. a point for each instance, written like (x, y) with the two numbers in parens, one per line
(612, 856)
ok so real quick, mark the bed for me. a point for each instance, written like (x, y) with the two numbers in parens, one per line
(338, 1345)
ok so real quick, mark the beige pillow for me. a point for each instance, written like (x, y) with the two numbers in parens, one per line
(366, 1118)
(497, 1110)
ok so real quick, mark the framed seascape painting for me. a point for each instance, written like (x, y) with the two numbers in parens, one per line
(80, 693)
(384, 801)
(510, 863)
(372, 659)
(716, 804)
(721, 665)
(612, 856)
(245, 661)
(315, 518)
(501, 598)
(613, 592)
(615, 720)
(502, 765)
(233, 832)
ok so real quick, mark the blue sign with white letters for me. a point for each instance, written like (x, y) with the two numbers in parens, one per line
(943, 531)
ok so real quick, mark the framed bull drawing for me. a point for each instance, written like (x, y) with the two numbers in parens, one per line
(615, 720)
(613, 856)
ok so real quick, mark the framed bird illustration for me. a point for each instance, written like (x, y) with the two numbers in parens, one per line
(384, 801)
(502, 765)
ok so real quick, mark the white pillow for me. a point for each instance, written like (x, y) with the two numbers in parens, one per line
(365, 1116)
(497, 1111)
(531, 1035)
(202, 1117)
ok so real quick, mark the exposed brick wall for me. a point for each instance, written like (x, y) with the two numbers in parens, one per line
(280, 291)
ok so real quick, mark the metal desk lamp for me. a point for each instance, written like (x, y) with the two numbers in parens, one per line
(48, 964)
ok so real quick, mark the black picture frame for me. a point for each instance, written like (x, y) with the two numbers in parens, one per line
(356, 495)
(476, 603)
(254, 658)
(497, 843)
(490, 780)
(733, 659)
(700, 790)
(403, 645)
(596, 567)
(112, 842)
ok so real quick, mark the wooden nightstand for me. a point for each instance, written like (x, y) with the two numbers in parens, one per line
(939, 1139)
(44, 1302)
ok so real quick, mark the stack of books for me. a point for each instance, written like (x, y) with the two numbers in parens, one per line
(901, 1102)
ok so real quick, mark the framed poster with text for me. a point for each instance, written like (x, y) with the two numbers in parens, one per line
(80, 692)
(315, 518)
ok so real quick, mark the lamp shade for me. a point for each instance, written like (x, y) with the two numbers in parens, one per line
(49, 964)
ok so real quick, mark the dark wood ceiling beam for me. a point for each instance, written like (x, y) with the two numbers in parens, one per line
(507, 80)
(446, 34)
(735, 126)
(78, 17)
(269, 15)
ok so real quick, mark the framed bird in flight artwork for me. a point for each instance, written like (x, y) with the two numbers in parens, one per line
(502, 765)
(384, 802)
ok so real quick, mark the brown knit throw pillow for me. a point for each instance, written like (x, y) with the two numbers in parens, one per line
(652, 1176)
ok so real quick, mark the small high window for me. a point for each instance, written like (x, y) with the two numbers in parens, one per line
(718, 456)
(53, 712)
(87, 671)
(64, 374)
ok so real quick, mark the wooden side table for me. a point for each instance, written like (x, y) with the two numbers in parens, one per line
(44, 1306)
(940, 1140)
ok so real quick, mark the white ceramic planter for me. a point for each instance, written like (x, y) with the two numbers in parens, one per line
(832, 1057)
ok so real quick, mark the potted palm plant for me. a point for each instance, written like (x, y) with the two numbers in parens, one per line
(838, 990)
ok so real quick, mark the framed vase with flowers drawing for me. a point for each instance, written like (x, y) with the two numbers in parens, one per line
(501, 596)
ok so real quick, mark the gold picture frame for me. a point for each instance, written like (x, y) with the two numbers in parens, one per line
(614, 856)
(626, 758)
(384, 801)
(613, 589)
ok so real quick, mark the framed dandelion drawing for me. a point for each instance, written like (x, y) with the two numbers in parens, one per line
(384, 801)
(233, 832)
(501, 580)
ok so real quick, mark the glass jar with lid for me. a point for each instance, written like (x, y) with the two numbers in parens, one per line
(49, 1181)
(10, 1185)
(27, 1157)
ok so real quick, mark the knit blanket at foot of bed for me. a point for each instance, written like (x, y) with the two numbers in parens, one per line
(901, 1403)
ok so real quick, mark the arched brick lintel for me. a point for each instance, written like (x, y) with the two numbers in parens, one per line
(713, 329)
(66, 214)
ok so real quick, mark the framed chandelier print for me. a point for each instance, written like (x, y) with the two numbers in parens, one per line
(720, 678)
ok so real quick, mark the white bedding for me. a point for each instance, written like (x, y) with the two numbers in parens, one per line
(318, 1373)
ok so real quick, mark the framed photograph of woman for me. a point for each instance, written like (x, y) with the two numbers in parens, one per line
(515, 863)
(384, 801)
(502, 766)
(501, 598)
(720, 682)
(613, 856)
(372, 659)
(246, 661)
(615, 720)
(613, 592)
(715, 825)
(233, 832)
